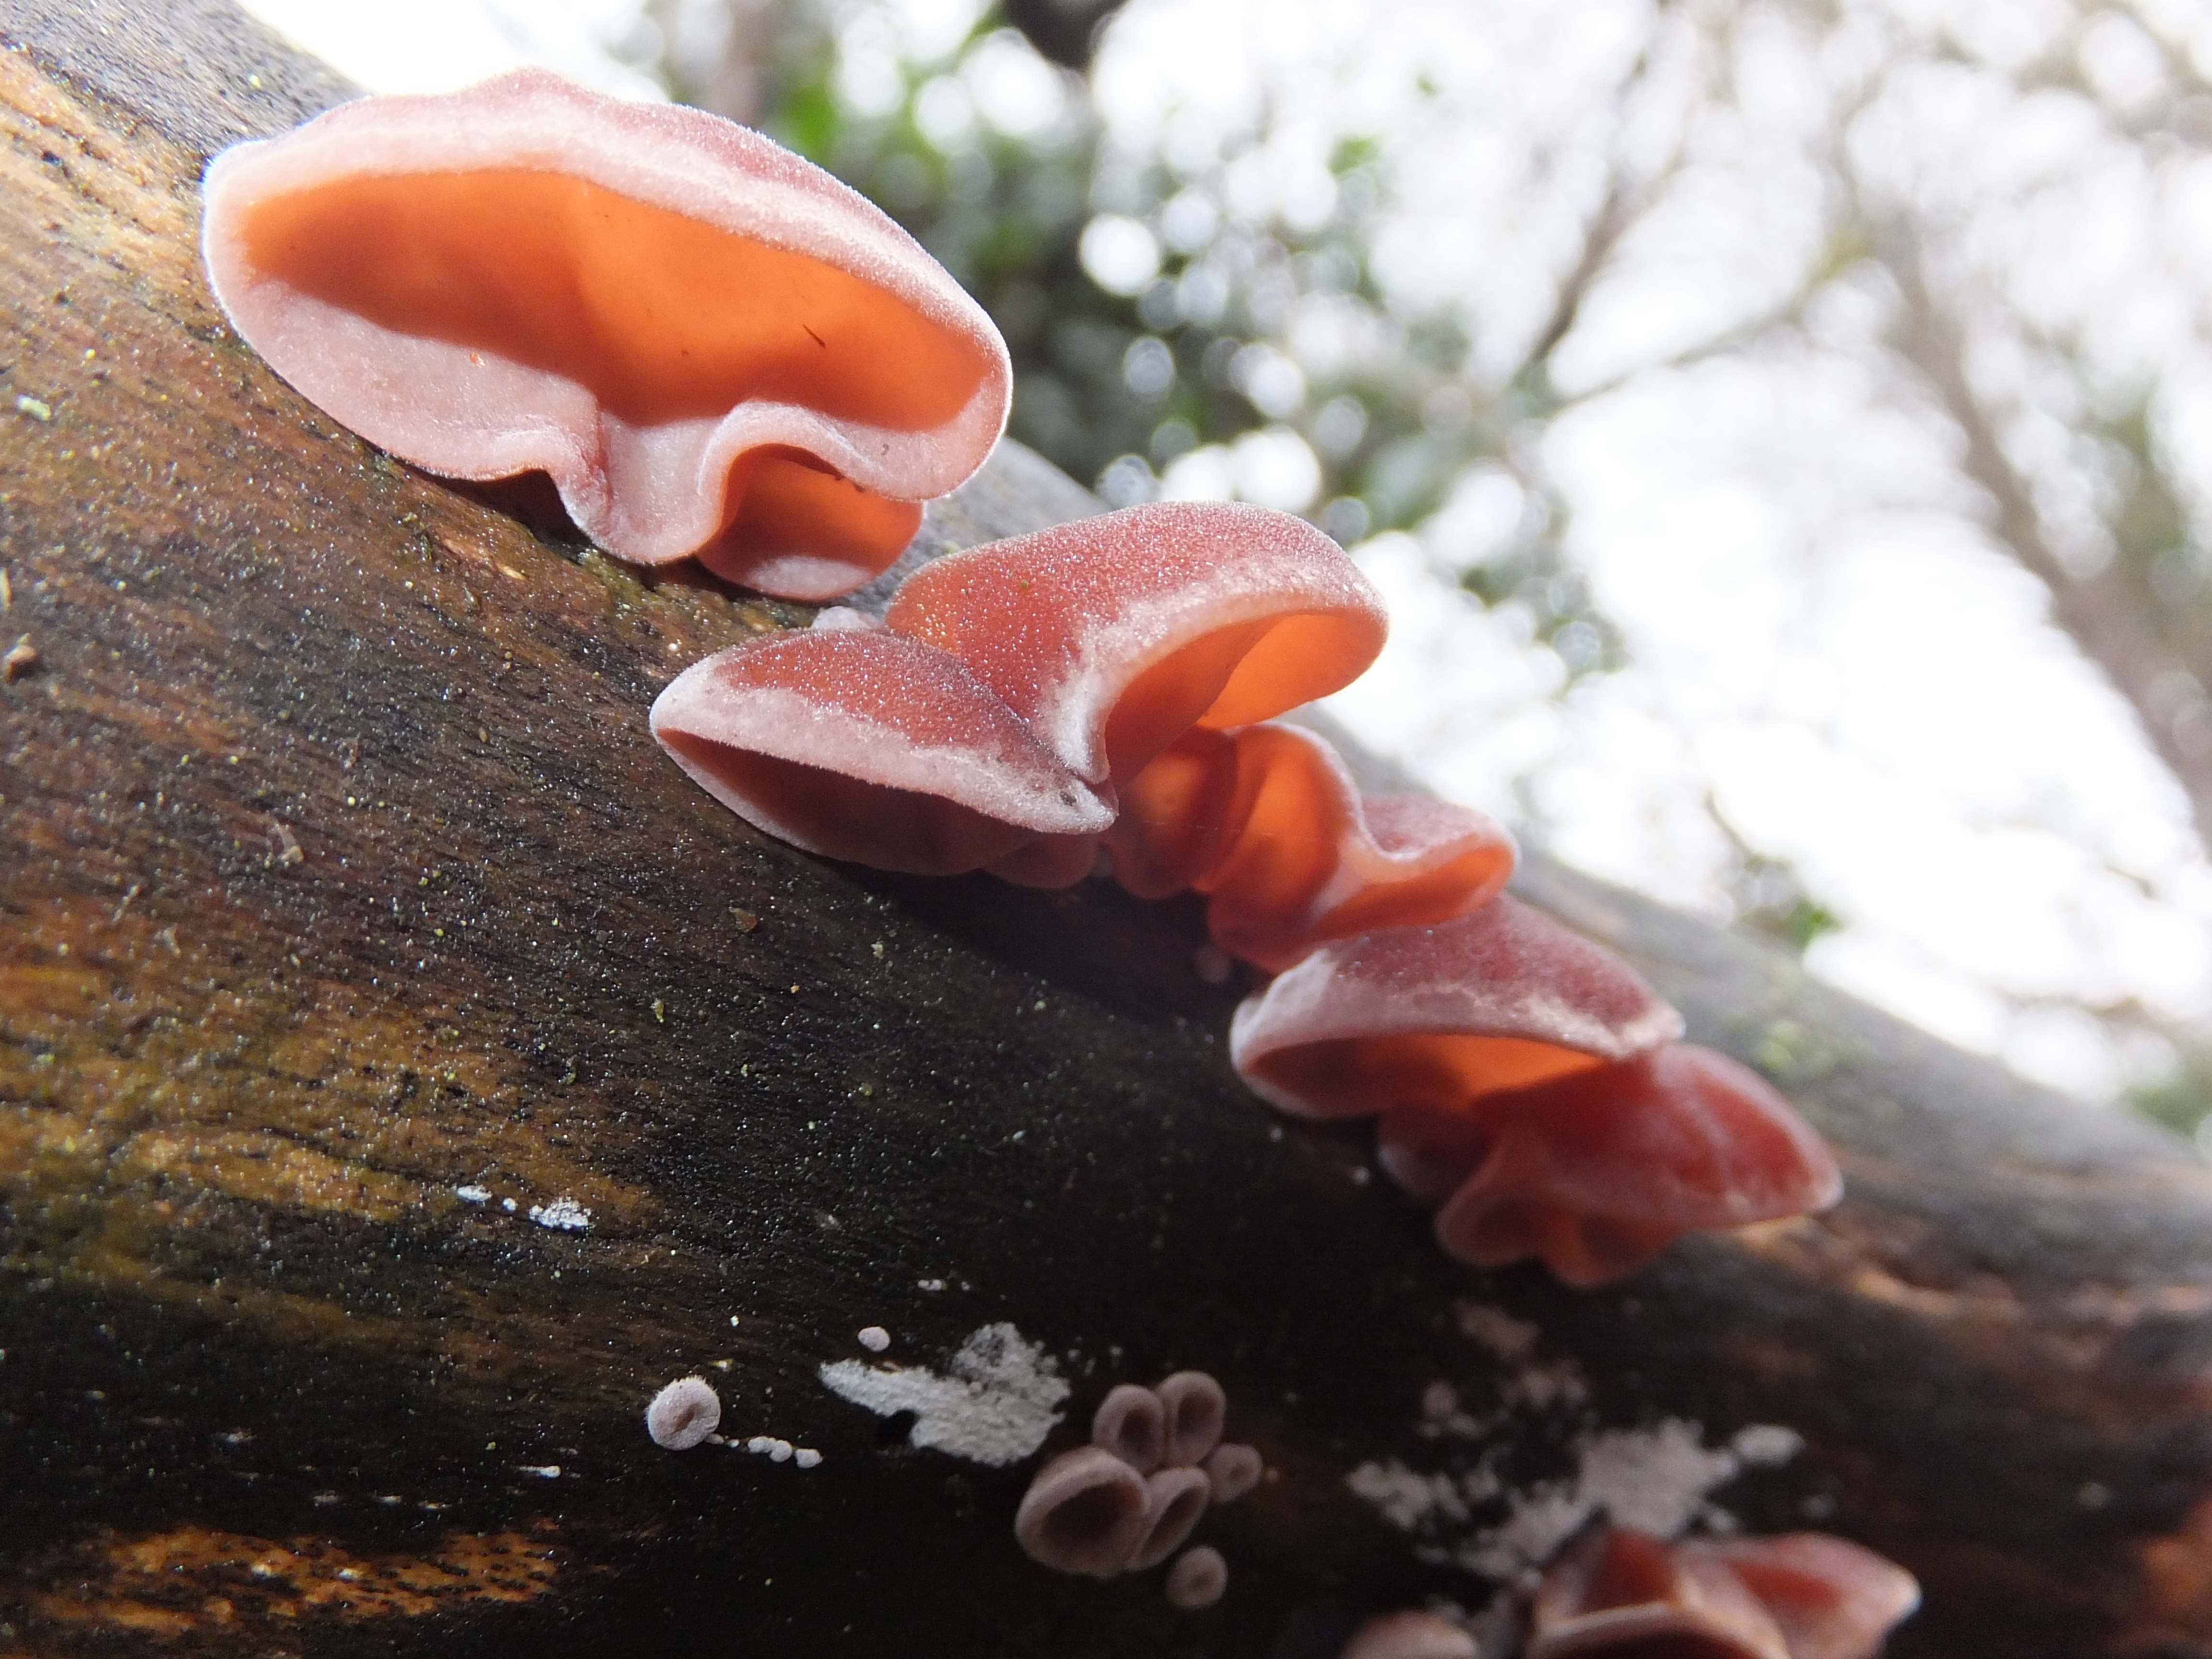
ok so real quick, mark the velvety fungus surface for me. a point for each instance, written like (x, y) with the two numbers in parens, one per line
(711, 346)
(1599, 1170)
(866, 746)
(1442, 1015)
(1113, 635)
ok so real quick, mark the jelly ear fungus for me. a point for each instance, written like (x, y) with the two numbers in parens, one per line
(711, 346)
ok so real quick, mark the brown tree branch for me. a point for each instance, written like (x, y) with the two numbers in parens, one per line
(341, 878)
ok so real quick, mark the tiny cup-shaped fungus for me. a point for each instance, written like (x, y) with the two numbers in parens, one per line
(712, 346)
(1198, 1578)
(1196, 1408)
(868, 745)
(1232, 1470)
(683, 1415)
(1267, 821)
(1175, 1500)
(1442, 1016)
(1086, 1511)
(1131, 1424)
(1599, 1170)
(1113, 635)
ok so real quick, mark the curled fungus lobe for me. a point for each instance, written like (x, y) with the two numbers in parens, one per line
(1801, 1596)
(712, 346)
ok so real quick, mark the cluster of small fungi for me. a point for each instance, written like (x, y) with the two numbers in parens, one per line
(687, 1412)
(1129, 1499)
(525, 277)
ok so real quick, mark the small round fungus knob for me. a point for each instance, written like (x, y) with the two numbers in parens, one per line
(1085, 1512)
(1196, 1409)
(1197, 1578)
(683, 1414)
(1131, 1424)
(1233, 1469)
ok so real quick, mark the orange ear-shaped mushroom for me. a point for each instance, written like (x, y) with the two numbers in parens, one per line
(1267, 820)
(868, 745)
(1625, 1593)
(1599, 1170)
(712, 346)
(1831, 1599)
(1113, 635)
(1442, 1016)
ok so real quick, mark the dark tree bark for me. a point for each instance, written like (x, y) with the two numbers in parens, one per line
(341, 875)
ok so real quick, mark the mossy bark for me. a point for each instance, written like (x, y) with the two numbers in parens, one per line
(340, 875)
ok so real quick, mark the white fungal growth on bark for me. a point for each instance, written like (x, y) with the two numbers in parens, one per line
(562, 1215)
(1654, 1478)
(995, 1401)
(875, 1338)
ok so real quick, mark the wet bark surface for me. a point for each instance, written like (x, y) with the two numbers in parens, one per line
(354, 935)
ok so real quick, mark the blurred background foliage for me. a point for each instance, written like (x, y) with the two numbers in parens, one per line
(1178, 326)
(1187, 316)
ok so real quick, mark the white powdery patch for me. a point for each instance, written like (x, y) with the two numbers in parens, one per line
(1408, 1500)
(1001, 1396)
(1508, 1339)
(562, 1215)
(1656, 1478)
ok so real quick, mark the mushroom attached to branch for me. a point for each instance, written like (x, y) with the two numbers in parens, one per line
(1804, 1595)
(1130, 1422)
(1175, 1502)
(1195, 1410)
(712, 346)
(868, 745)
(1441, 1016)
(1086, 1511)
(683, 1415)
(1600, 1171)
(1624, 1592)
(1232, 1470)
(1113, 635)
(1267, 821)
(1531, 1080)
(1198, 1579)
(926, 746)
(1831, 1599)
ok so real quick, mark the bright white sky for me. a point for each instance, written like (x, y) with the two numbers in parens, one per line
(1820, 635)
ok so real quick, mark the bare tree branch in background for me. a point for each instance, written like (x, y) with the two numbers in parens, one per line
(2138, 637)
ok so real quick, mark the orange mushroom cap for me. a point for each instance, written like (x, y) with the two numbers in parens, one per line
(1626, 1592)
(1113, 635)
(1831, 1598)
(1442, 1015)
(1804, 1595)
(866, 746)
(1267, 820)
(712, 346)
(1599, 1170)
